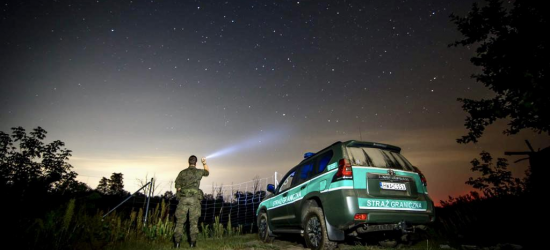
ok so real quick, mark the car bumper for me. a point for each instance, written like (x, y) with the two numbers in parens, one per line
(342, 216)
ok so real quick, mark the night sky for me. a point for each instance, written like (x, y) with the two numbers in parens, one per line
(137, 86)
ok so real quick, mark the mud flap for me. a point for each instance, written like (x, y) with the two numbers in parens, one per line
(334, 234)
(269, 232)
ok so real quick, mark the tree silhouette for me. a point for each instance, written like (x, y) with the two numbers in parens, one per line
(103, 186)
(112, 186)
(512, 51)
(116, 184)
(29, 166)
(496, 179)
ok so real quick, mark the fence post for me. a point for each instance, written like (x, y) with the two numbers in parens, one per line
(245, 203)
(125, 200)
(148, 200)
(231, 203)
(214, 209)
(239, 204)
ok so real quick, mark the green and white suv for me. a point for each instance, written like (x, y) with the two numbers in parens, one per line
(348, 188)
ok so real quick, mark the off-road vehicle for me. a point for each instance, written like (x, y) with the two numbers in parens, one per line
(346, 189)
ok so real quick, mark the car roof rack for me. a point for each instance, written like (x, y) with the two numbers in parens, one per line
(354, 143)
(368, 144)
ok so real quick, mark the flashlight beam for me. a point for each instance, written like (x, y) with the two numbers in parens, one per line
(256, 141)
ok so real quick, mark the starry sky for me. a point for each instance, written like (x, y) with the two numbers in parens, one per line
(137, 86)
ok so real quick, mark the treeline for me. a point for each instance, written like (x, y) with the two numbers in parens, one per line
(35, 179)
(39, 191)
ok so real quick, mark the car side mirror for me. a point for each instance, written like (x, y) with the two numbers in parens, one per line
(271, 188)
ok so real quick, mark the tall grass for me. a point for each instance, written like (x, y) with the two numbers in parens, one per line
(71, 227)
(487, 221)
(218, 230)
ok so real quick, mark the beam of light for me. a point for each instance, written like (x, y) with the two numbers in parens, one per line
(254, 142)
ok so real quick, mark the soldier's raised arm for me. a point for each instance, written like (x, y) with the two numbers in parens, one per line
(207, 170)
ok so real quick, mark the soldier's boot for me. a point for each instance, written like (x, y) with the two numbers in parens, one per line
(193, 244)
(177, 241)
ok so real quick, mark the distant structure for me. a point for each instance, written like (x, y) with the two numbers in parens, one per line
(537, 161)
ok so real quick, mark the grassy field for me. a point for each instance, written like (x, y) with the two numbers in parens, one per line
(250, 241)
(73, 226)
(69, 229)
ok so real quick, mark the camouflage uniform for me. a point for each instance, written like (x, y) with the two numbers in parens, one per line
(190, 197)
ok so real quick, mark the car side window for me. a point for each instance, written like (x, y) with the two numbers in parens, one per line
(306, 171)
(323, 162)
(287, 183)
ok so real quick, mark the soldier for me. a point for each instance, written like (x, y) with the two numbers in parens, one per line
(190, 196)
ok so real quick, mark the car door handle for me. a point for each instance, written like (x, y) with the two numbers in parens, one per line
(302, 188)
(285, 194)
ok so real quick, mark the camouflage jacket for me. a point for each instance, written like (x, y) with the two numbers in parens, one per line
(189, 180)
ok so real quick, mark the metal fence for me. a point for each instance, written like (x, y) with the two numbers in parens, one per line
(235, 203)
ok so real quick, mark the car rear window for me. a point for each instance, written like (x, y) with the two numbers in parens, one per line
(376, 157)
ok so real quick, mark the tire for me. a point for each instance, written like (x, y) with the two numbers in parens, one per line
(388, 243)
(315, 230)
(263, 228)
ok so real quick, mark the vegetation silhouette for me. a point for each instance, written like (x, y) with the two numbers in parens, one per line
(486, 216)
(31, 167)
(35, 177)
(113, 186)
(513, 53)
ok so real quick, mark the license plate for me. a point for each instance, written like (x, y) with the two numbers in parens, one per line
(393, 186)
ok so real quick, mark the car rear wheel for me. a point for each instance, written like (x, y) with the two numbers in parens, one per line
(315, 230)
(263, 228)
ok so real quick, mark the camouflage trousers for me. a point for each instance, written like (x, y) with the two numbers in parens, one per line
(187, 206)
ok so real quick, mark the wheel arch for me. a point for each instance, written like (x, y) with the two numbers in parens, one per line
(312, 200)
(333, 232)
(261, 210)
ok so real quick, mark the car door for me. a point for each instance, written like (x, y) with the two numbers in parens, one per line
(298, 191)
(277, 211)
(305, 184)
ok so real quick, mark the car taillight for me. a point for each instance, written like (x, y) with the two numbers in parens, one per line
(344, 170)
(422, 177)
(361, 217)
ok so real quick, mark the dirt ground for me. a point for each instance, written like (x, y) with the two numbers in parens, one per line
(297, 243)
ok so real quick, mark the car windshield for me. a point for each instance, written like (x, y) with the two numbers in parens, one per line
(376, 157)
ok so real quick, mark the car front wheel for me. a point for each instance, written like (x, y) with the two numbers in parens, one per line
(263, 228)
